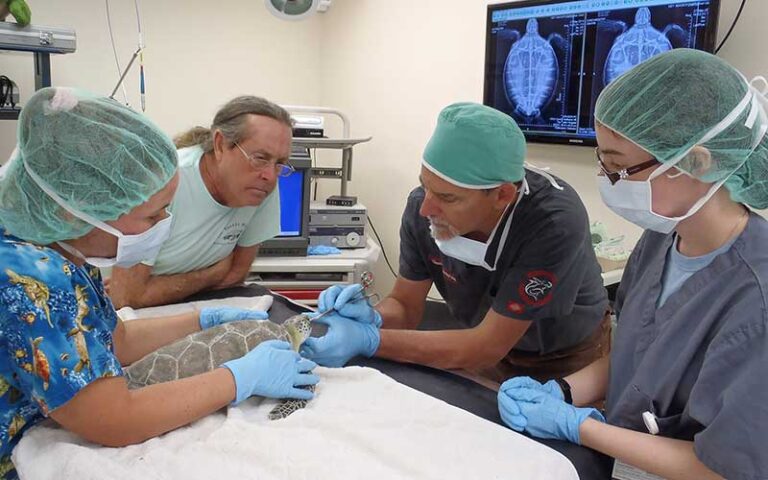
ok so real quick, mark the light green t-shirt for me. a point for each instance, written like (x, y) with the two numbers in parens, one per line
(203, 231)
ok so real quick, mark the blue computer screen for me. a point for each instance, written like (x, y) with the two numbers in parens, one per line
(547, 62)
(291, 194)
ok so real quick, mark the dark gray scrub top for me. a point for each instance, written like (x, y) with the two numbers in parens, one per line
(700, 362)
(547, 272)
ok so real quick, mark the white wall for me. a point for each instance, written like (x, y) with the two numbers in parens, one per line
(392, 65)
(199, 54)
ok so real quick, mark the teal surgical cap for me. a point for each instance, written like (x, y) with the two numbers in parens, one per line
(98, 156)
(475, 147)
(687, 98)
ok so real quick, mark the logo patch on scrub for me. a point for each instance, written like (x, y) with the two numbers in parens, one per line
(436, 260)
(536, 287)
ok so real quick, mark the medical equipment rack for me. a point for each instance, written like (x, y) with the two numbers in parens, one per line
(344, 144)
(42, 41)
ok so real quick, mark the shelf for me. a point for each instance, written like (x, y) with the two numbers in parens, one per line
(332, 143)
(37, 38)
(9, 114)
(42, 42)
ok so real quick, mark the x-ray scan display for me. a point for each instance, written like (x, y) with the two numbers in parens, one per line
(547, 62)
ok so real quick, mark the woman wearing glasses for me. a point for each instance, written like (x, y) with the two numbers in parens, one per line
(683, 153)
(226, 205)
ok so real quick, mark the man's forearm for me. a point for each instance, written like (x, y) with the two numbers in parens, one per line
(164, 289)
(139, 337)
(232, 279)
(242, 262)
(395, 316)
(445, 349)
(665, 457)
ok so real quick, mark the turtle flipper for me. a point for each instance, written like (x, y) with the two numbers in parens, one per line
(287, 406)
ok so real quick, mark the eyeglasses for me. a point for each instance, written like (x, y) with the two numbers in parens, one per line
(626, 172)
(281, 169)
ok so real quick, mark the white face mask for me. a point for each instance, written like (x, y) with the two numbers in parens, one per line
(131, 249)
(633, 200)
(473, 252)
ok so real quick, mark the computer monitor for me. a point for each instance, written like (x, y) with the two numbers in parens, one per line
(294, 209)
(547, 61)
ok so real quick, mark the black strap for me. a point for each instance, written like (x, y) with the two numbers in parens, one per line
(6, 92)
(566, 388)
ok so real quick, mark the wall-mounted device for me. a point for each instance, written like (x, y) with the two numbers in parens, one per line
(548, 60)
(296, 9)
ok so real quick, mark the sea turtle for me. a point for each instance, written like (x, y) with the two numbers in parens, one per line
(636, 45)
(531, 70)
(36, 291)
(205, 350)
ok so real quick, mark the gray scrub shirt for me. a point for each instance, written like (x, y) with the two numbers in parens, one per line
(699, 362)
(547, 272)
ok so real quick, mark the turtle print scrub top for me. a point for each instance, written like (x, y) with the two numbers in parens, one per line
(56, 327)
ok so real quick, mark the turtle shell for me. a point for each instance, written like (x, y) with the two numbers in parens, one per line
(202, 351)
(530, 72)
(635, 46)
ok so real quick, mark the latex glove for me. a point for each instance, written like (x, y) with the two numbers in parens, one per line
(346, 301)
(551, 387)
(274, 370)
(345, 338)
(213, 316)
(542, 415)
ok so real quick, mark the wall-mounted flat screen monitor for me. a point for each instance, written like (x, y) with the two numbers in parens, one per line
(547, 61)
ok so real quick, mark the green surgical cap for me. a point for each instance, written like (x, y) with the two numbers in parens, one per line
(475, 147)
(100, 157)
(674, 102)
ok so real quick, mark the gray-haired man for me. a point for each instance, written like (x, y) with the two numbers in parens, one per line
(226, 205)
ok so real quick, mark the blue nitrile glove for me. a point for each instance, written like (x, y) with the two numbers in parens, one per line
(322, 250)
(551, 387)
(511, 413)
(274, 370)
(543, 415)
(347, 301)
(212, 316)
(345, 338)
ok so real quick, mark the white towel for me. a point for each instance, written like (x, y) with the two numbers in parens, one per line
(263, 302)
(361, 425)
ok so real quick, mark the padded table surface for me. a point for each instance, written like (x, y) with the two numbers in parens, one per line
(453, 389)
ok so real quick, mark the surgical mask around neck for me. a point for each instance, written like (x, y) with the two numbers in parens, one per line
(473, 252)
(131, 249)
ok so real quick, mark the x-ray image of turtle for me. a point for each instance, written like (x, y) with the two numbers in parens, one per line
(636, 45)
(531, 70)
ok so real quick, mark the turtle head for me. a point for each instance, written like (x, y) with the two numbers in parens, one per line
(532, 27)
(643, 16)
(298, 328)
